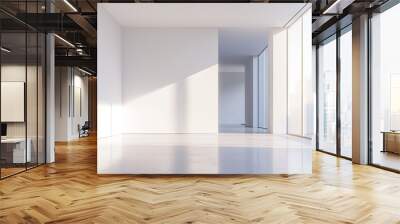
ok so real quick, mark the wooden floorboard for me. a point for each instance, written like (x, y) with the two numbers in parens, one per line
(70, 191)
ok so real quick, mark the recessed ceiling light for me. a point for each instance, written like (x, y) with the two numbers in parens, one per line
(70, 5)
(64, 40)
(5, 50)
(84, 71)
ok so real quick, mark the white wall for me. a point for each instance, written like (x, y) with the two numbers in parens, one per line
(170, 80)
(81, 102)
(295, 78)
(62, 124)
(109, 78)
(71, 102)
(232, 95)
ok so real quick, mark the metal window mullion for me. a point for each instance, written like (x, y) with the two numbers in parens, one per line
(0, 95)
(317, 96)
(369, 90)
(26, 87)
(338, 91)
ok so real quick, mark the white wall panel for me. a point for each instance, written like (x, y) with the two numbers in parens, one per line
(170, 80)
(279, 79)
(295, 79)
(109, 78)
(232, 98)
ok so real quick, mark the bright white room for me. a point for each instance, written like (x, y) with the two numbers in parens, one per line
(181, 91)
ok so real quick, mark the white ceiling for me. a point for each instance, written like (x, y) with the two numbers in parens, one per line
(243, 27)
(249, 15)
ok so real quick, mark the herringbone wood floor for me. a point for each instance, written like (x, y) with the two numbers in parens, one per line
(70, 191)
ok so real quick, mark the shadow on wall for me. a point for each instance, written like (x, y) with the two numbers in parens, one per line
(158, 64)
(170, 80)
(180, 107)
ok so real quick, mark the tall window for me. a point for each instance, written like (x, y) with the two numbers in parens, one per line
(385, 89)
(300, 78)
(327, 96)
(346, 93)
(262, 90)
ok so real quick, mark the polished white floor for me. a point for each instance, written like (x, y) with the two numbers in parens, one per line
(227, 153)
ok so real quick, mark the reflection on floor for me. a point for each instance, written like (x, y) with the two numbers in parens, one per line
(387, 159)
(233, 128)
(10, 171)
(70, 191)
(225, 153)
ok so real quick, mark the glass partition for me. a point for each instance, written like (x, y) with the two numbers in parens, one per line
(22, 89)
(31, 98)
(294, 79)
(300, 80)
(13, 94)
(327, 96)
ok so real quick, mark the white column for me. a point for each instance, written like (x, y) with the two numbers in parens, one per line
(50, 99)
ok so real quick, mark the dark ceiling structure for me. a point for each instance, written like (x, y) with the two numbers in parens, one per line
(75, 21)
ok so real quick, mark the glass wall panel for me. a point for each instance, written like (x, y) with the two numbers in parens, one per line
(295, 95)
(327, 96)
(346, 94)
(308, 79)
(31, 98)
(14, 154)
(385, 89)
(22, 88)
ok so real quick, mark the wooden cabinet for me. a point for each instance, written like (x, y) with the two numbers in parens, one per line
(391, 142)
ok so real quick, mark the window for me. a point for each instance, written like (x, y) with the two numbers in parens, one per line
(385, 89)
(262, 90)
(346, 93)
(301, 85)
(327, 96)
